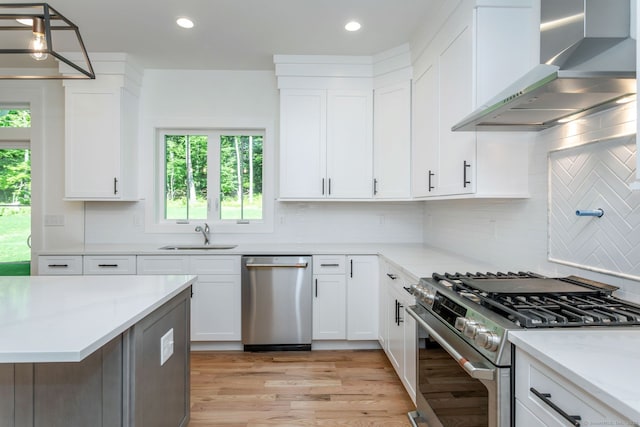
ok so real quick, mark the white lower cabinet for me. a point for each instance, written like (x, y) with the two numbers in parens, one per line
(104, 265)
(329, 298)
(362, 297)
(54, 265)
(397, 329)
(216, 301)
(545, 398)
(345, 294)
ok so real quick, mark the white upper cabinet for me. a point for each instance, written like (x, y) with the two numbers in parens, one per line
(341, 139)
(482, 46)
(392, 141)
(101, 133)
(302, 143)
(326, 144)
(349, 144)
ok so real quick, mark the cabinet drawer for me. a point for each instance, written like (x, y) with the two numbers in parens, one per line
(558, 391)
(163, 264)
(329, 264)
(60, 265)
(112, 264)
(214, 264)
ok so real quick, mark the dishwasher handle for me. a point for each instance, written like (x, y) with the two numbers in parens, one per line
(294, 265)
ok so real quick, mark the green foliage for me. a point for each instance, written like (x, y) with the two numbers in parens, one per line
(186, 176)
(15, 177)
(15, 118)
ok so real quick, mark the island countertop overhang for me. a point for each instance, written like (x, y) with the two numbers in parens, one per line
(66, 318)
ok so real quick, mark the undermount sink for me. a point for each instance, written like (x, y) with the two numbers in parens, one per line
(197, 247)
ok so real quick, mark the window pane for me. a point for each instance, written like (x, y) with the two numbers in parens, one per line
(185, 177)
(241, 177)
(17, 118)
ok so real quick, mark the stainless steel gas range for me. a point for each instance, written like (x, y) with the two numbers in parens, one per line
(464, 359)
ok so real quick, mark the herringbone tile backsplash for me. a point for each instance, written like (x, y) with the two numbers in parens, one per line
(590, 177)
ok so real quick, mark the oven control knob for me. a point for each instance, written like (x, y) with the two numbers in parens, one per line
(428, 296)
(471, 329)
(460, 323)
(488, 340)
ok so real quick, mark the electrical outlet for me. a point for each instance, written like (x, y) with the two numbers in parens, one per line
(166, 346)
(53, 220)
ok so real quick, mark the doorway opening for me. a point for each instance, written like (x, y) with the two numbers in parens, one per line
(15, 191)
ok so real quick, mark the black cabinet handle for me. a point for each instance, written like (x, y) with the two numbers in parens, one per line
(351, 268)
(329, 186)
(115, 185)
(375, 186)
(316, 288)
(396, 321)
(431, 175)
(329, 265)
(465, 182)
(58, 265)
(546, 398)
(400, 319)
(408, 289)
(323, 186)
(108, 265)
(392, 276)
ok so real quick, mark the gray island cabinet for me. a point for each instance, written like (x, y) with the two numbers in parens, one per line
(94, 351)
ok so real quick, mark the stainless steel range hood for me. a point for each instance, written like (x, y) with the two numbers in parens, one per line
(588, 64)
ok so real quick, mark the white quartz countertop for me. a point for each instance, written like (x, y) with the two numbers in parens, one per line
(66, 318)
(414, 259)
(602, 361)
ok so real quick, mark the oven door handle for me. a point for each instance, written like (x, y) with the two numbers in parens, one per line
(474, 372)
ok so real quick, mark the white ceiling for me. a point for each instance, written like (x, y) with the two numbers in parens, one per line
(241, 34)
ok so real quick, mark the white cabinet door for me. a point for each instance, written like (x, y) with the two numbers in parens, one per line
(162, 264)
(329, 307)
(326, 144)
(466, 63)
(92, 143)
(392, 141)
(109, 264)
(425, 155)
(457, 149)
(55, 265)
(362, 297)
(303, 143)
(215, 308)
(349, 144)
(100, 140)
(555, 393)
(216, 300)
(395, 339)
(410, 351)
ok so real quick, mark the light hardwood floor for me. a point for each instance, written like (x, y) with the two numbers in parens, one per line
(319, 388)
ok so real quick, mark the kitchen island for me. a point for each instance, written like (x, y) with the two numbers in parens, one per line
(94, 351)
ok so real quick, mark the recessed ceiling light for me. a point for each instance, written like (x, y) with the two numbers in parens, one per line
(185, 22)
(352, 26)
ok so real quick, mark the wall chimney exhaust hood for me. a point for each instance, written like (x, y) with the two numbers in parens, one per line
(588, 64)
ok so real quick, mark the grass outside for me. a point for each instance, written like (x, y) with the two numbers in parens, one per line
(15, 228)
(231, 210)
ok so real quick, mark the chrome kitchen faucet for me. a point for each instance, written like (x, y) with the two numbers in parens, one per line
(205, 232)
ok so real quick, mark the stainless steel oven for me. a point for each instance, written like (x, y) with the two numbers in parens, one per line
(456, 385)
(464, 360)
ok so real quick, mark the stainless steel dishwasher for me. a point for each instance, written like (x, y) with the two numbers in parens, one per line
(276, 302)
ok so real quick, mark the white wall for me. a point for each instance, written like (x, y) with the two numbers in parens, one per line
(46, 101)
(233, 98)
(512, 234)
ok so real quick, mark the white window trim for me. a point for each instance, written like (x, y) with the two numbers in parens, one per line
(155, 224)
